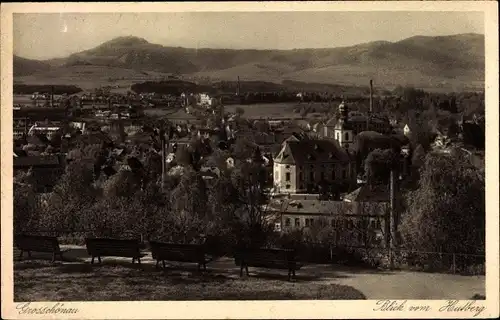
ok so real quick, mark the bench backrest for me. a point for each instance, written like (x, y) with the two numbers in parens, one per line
(36, 243)
(177, 252)
(272, 258)
(113, 247)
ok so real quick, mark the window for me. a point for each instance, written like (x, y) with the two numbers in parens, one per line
(277, 227)
(307, 222)
(287, 222)
(346, 136)
(288, 167)
(287, 176)
(338, 136)
(287, 186)
(297, 222)
(344, 174)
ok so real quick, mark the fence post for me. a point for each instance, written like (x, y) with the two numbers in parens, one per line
(454, 265)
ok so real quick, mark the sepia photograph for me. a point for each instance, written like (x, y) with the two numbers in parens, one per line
(239, 155)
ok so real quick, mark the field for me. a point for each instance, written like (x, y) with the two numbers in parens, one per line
(90, 77)
(265, 110)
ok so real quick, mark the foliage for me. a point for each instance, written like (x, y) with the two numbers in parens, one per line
(25, 204)
(449, 203)
(378, 165)
(239, 111)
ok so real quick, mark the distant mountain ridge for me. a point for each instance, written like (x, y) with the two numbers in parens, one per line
(417, 60)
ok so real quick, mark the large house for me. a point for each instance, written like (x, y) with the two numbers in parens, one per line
(350, 124)
(351, 223)
(303, 164)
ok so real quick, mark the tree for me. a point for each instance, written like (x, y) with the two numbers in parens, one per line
(25, 204)
(243, 148)
(123, 184)
(183, 157)
(378, 165)
(448, 204)
(248, 180)
(189, 205)
(74, 193)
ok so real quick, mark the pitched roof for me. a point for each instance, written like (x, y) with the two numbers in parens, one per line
(310, 207)
(36, 161)
(311, 151)
(325, 208)
(369, 193)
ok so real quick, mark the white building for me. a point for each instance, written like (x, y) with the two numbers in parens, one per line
(43, 128)
(302, 165)
(206, 100)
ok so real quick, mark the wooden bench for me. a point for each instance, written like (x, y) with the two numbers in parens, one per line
(268, 258)
(102, 247)
(194, 253)
(30, 243)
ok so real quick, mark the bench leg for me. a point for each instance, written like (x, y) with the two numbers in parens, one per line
(21, 254)
(246, 269)
(163, 263)
(29, 254)
(133, 260)
(53, 257)
(289, 274)
(157, 263)
(99, 258)
(92, 261)
(241, 270)
(139, 260)
(61, 256)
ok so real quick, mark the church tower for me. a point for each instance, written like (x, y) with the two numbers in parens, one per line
(343, 130)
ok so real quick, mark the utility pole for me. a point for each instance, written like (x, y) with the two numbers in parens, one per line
(392, 221)
(52, 96)
(164, 147)
(371, 96)
(371, 106)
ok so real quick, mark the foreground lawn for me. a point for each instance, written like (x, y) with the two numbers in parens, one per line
(44, 281)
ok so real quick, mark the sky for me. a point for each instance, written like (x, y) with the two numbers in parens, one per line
(53, 35)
